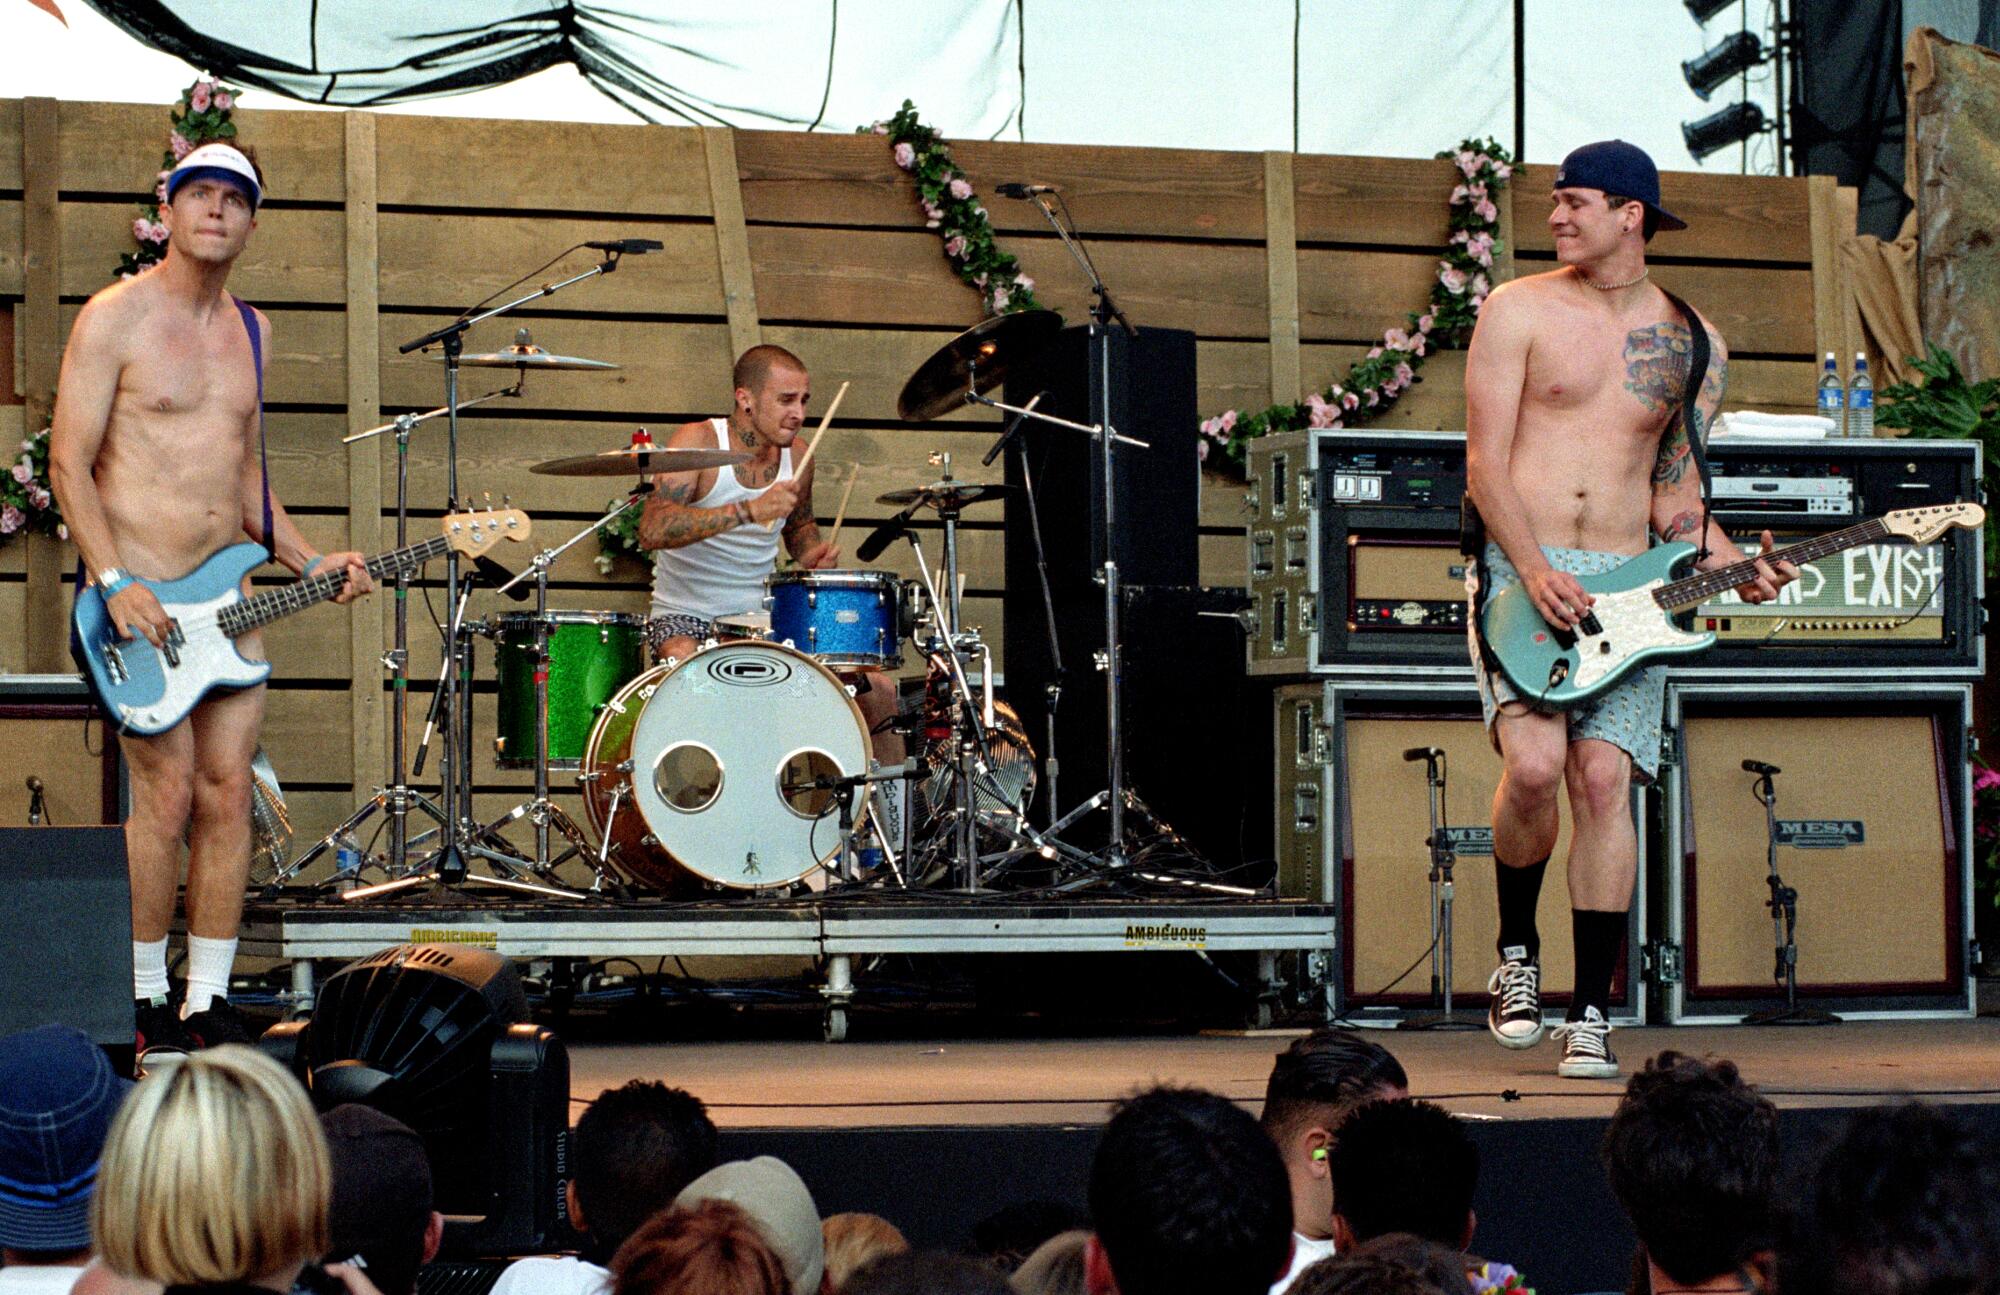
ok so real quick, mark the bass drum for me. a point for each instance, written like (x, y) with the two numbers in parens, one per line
(699, 772)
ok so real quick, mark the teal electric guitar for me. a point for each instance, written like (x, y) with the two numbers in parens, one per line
(1630, 623)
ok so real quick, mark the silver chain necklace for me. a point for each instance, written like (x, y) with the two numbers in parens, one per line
(1613, 287)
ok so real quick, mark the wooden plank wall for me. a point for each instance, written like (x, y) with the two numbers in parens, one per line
(379, 228)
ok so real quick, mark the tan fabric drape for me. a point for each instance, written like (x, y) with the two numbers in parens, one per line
(1954, 175)
(1883, 277)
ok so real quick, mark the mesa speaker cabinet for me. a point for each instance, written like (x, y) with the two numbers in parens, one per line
(51, 737)
(1872, 809)
(1351, 823)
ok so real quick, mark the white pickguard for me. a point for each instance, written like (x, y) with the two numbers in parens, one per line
(1631, 623)
(209, 659)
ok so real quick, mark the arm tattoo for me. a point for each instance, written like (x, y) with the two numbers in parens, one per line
(801, 529)
(1676, 455)
(1680, 526)
(1656, 364)
(668, 522)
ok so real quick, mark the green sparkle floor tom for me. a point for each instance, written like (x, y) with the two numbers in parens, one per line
(591, 656)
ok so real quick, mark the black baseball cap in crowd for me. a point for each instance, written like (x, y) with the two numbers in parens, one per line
(1617, 167)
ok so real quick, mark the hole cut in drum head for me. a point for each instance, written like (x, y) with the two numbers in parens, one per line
(796, 777)
(688, 777)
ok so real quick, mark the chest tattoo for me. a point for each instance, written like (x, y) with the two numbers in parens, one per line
(1656, 364)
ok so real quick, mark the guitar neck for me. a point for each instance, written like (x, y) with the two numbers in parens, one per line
(1708, 584)
(262, 609)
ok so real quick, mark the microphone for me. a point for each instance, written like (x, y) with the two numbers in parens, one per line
(34, 784)
(496, 575)
(1017, 190)
(1012, 428)
(634, 246)
(1417, 753)
(883, 536)
(1761, 769)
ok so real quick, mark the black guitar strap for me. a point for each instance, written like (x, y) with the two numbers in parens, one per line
(1697, 372)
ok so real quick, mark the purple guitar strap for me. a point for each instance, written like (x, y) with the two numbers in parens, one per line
(263, 453)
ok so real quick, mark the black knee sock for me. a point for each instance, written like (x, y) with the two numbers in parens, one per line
(1599, 937)
(1520, 890)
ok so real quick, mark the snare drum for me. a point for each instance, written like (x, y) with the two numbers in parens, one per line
(844, 619)
(694, 770)
(591, 656)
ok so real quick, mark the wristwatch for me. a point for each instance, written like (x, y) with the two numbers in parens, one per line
(112, 579)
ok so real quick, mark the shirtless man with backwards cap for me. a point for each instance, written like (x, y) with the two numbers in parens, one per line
(1578, 459)
(155, 457)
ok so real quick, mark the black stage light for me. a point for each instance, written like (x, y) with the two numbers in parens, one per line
(1703, 10)
(1738, 53)
(1718, 130)
(437, 1035)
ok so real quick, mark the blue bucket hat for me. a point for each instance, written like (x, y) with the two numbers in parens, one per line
(1617, 167)
(57, 1098)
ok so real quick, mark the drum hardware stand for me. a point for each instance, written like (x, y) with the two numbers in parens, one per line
(448, 864)
(539, 809)
(397, 796)
(1442, 859)
(1052, 691)
(1784, 906)
(849, 870)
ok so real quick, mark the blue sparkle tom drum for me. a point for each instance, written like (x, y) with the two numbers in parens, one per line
(840, 618)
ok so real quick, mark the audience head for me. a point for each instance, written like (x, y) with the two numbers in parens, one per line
(1692, 1153)
(1403, 1166)
(927, 1272)
(1055, 1268)
(382, 1203)
(57, 1100)
(1397, 1264)
(1011, 1233)
(214, 1171)
(713, 1248)
(853, 1241)
(1313, 1086)
(1187, 1194)
(1904, 1201)
(777, 1201)
(636, 1148)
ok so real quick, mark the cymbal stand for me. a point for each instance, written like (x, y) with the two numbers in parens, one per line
(397, 796)
(448, 864)
(539, 809)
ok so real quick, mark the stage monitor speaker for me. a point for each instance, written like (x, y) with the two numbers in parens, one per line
(66, 944)
(1871, 808)
(1340, 745)
(1155, 501)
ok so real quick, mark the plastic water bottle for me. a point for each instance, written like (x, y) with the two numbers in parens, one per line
(1832, 397)
(1861, 399)
(348, 858)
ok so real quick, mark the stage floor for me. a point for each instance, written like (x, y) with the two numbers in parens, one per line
(915, 1083)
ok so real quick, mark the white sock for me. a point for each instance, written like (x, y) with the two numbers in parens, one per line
(209, 962)
(149, 968)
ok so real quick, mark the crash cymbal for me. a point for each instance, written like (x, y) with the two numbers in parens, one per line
(640, 459)
(524, 354)
(951, 495)
(980, 356)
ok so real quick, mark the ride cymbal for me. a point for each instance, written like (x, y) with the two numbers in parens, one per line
(977, 359)
(640, 459)
(944, 495)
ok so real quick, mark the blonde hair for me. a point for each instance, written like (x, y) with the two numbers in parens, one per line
(215, 1171)
(853, 1241)
(1055, 1268)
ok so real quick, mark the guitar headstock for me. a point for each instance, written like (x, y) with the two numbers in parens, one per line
(1922, 525)
(477, 530)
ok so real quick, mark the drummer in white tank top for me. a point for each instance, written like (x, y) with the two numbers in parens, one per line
(710, 530)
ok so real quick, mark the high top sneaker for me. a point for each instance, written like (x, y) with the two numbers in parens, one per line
(1587, 1048)
(1514, 1014)
(155, 1024)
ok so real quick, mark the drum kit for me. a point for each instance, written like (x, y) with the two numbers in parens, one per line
(743, 766)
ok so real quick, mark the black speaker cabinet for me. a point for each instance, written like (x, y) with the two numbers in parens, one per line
(1352, 822)
(1148, 385)
(50, 735)
(1872, 807)
(66, 945)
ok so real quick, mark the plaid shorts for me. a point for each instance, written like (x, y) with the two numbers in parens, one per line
(676, 625)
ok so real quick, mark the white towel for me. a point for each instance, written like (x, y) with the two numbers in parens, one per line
(1751, 422)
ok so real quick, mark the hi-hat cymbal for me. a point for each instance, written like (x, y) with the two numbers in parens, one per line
(525, 357)
(639, 459)
(977, 358)
(946, 496)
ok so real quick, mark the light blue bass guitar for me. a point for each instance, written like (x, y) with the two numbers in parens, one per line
(148, 690)
(1630, 623)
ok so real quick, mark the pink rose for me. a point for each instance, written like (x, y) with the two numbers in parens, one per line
(224, 100)
(1984, 779)
(1405, 374)
(979, 279)
(1418, 343)
(160, 187)
(880, 128)
(1000, 299)
(1468, 163)
(1480, 287)
(62, 530)
(39, 497)
(1460, 194)
(1452, 278)
(160, 233)
(906, 157)
(1396, 340)
(1322, 413)
(198, 97)
(1375, 354)
(954, 246)
(1485, 210)
(1374, 398)
(1228, 421)
(960, 189)
(1424, 323)
(1502, 171)
(24, 474)
(11, 519)
(1022, 283)
(142, 229)
(1201, 451)
(180, 145)
(1348, 400)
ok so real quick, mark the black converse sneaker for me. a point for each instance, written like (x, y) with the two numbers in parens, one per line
(216, 1024)
(155, 1024)
(1587, 1048)
(1514, 1012)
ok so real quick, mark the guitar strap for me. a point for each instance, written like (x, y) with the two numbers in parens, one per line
(263, 452)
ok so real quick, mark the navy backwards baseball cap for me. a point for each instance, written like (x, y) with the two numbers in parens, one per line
(1617, 167)
(57, 1098)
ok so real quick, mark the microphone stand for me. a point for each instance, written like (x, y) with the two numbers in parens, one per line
(1442, 859)
(1784, 906)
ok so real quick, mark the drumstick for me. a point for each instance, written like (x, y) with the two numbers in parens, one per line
(799, 468)
(840, 517)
